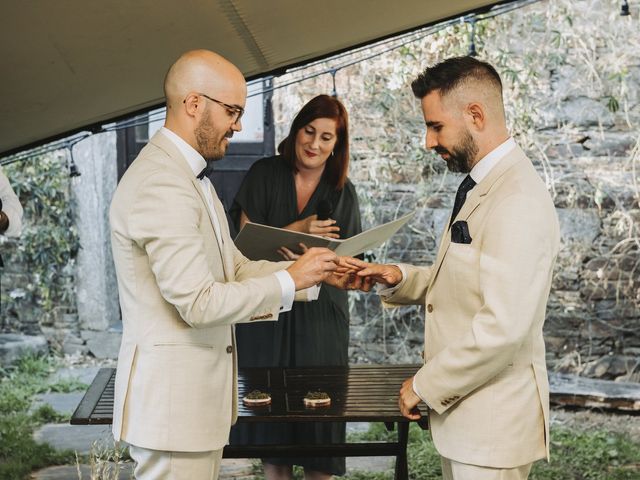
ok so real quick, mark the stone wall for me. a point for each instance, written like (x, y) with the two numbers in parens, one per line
(85, 317)
(572, 91)
(98, 328)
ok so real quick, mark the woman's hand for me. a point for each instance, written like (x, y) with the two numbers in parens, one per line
(311, 224)
(289, 255)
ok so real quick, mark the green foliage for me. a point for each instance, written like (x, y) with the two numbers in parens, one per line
(106, 461)
(67, 385)
(19, 453)
(584, 455)
(589, 455)
(612, 104)
(47, 414)
(48, 246)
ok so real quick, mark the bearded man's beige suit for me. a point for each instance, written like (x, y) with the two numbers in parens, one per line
(484, 375)
(182, 288)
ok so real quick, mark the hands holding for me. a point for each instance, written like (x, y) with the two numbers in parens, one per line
(363, 276)
(346, 273)
(313, 267)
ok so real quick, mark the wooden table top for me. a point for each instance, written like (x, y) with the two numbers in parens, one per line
(358, 393)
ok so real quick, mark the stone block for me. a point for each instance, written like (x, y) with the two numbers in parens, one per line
(97, 297)
(610, 367)
(70, 472)
(62, 403)
(14, 345)
(577, 225)
(73, 344)
(610, 144)
(78, 438)
(578, 111)
(81, 374)
(103, 344)
(596, 264)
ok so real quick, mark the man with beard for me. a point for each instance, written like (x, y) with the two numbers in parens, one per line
(484, 377)
(183, 284)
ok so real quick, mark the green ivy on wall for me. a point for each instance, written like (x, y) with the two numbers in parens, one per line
(39, 271)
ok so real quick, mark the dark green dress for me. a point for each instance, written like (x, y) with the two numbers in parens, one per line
(312, 333)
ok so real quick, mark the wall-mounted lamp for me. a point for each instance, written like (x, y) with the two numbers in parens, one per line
(73, 169)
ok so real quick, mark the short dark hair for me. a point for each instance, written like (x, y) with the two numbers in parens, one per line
(322, 106)
(451, 73)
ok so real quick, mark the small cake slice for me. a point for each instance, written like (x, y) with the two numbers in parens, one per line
(256, 398)
(316, 399)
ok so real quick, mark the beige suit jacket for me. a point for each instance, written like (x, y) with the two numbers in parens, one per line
(180, 295)
(484, 374)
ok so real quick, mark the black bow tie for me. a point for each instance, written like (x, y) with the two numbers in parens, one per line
(206, 171)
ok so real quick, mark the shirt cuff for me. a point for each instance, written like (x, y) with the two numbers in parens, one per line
(288, 288)
(415, 389)
(313, 293)
(388, 291)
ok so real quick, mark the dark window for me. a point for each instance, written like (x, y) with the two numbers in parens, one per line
(130, 141)
(257, 140)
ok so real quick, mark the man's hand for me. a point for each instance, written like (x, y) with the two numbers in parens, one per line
(372, 273)
(408, 401)
(315, 265)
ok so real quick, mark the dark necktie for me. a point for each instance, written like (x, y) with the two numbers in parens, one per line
(461, 195)
(206, 171)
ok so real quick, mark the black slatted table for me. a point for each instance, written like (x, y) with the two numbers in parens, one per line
(367, 393)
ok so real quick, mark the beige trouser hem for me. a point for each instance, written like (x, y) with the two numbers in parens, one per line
(452, 470)
(166, 465)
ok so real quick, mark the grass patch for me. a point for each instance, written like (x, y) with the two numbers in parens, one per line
(589, 455)
(19, 453)
(583, 455)
(67, 385)
(47, 414)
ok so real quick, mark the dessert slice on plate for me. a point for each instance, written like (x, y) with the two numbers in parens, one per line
(256, 398)
(316, 399)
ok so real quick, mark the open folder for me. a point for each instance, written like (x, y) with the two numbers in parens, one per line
(261, 242)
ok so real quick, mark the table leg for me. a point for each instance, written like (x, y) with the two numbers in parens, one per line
(402, 470)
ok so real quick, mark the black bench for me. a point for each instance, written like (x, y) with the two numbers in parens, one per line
(363, 393)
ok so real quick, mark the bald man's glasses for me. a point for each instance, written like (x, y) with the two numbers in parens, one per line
(234, 111)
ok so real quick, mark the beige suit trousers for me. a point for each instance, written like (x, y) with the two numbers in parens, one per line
(164, 465)
(452, 470)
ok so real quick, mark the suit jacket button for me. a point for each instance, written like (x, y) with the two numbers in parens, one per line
(429, 308)
(229, 349)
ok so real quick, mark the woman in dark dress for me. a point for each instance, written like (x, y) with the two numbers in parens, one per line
(285, 191)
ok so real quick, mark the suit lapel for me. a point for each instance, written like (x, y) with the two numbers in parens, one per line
(225, 237)
(474, 200)
(162, 142)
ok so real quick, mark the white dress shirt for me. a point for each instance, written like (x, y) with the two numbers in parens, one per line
(197, 163)
(11, 207)
(478, 173)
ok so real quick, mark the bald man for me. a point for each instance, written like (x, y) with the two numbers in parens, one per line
(183, 284)
(484, 377)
